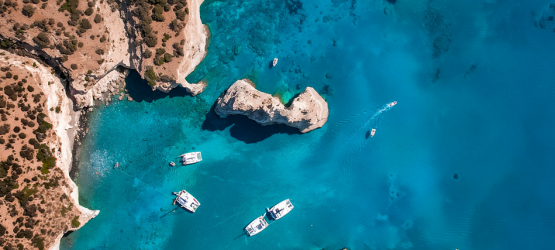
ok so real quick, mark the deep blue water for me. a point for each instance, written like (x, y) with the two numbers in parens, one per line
(475, 86)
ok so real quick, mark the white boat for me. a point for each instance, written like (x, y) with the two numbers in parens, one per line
(186, 200)
(172, 163)
(256, 226)
(373, 132)
(392, 104)
(280, 210)
(190, 158)
(116, 166)
(274, 63)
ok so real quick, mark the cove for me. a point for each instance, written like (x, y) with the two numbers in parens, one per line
(474, 83)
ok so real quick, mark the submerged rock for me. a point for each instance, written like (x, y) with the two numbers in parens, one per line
(307, 112)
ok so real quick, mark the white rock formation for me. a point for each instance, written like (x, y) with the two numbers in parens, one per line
(307, 112)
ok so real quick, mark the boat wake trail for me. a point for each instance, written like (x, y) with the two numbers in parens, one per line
(227, 219)
(358, 138)
(368, 128)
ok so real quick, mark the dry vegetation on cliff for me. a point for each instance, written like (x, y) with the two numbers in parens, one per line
(34, 202)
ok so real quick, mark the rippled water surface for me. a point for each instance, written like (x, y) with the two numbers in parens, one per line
(464, 161)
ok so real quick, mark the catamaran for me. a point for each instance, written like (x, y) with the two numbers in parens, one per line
(256, 226)
(274, 63)
(190, 158)
(280, 210)
(186, 200)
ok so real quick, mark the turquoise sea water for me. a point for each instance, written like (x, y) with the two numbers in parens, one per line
(475, 86)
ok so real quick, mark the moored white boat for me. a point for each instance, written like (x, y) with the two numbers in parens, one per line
(190, 158)
(373, 132)
(256, 226)
(186, 200)
(274, 63)
(280, 210)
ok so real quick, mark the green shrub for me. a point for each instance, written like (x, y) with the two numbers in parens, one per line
(42, 39)
(166, 37)
(49, 163)
(180, 15)
(22, 135)
(160, 51)
(4, 129)
(158, 60)
(88, 11)
(74, 66)
(158, 13)
(9, 75)
(147, 53)
(97, 18)
(75, 222)
(30, 88)
(28, 10)
(167, 57)
(15, 77)
(16, 129)
(85, 24)
(150, 40)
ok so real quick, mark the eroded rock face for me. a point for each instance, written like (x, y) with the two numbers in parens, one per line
(87, 40)
(307, 112)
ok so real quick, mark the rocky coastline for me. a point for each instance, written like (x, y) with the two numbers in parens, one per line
(57, 128)
(80, 53)
(308, 111)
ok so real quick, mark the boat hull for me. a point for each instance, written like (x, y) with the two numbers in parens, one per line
(280, 209)
(256, 226)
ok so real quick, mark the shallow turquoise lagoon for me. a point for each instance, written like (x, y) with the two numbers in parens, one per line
(464, 161)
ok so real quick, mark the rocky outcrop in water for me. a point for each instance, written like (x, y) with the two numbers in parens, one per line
(307, 112)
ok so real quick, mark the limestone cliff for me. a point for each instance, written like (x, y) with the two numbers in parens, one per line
(36, 162)
(307, 112)
(87, 40)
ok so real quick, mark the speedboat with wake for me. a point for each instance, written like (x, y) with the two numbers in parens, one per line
(186, 201)
(190, 158)
(390, 105)
(256, 226)
(280, 210)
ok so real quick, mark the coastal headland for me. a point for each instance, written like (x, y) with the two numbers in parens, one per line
(40, 201)
(58, 59)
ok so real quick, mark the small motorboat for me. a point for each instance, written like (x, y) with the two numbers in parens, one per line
(392, 104)
(280, 210)
(186, 201)
(116, 166)
(274, 63)
(190, 158)
(172, 163)
(256, 226)
(373, 132)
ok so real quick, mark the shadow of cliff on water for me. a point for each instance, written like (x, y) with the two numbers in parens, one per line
(140, 91)
(243, 128)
